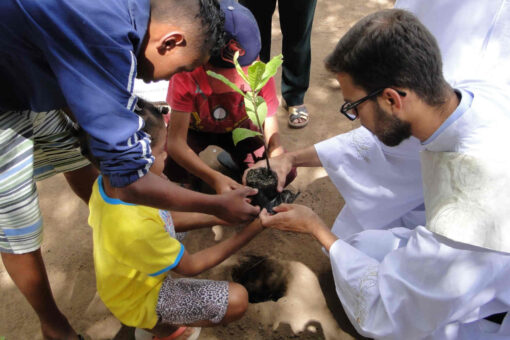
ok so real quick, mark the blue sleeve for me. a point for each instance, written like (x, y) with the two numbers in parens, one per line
(91, 48)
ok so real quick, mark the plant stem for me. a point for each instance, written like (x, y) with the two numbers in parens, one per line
(254, 100)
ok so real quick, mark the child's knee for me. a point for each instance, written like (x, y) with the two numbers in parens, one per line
(237, 302)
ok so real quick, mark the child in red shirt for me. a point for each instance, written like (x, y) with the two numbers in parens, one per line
(205, 111)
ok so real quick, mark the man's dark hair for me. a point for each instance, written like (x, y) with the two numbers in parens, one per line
(205, 16)
(391, 48)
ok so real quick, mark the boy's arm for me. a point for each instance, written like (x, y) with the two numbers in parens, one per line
(273, 137)
(268, 92)
(194, 264)
(157, 192)
(185, 221)
(180, 151)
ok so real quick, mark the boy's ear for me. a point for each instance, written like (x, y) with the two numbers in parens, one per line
(171, 40)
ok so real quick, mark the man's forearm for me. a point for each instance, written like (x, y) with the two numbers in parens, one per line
(324, 236)
(306, 157)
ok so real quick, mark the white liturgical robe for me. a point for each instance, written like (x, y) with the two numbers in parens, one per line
(381, 185)
(397, 276)
(416, 284)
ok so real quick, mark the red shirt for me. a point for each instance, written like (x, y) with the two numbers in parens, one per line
(214, 112)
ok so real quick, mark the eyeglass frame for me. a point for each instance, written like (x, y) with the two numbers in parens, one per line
(346, 107)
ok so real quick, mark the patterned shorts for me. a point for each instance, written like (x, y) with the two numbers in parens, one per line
(185, 301)
(33, 146)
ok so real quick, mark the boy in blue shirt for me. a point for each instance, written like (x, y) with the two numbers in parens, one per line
(84, 56)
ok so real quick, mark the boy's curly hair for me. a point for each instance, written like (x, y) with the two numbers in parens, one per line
(203, 17)
(152, 116)
(213, 21)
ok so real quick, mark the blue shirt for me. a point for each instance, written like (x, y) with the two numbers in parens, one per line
(80, 54)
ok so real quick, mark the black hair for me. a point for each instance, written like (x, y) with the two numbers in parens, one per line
(153, 118)
(391, 48)
(213, 19)
(203, 15)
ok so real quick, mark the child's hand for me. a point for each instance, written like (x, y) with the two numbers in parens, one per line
(234, 206)
(224, 184)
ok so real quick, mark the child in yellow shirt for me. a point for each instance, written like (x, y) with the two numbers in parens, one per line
(135, 248)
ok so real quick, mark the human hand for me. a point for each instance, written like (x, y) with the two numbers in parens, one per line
(282, 165)
(292, 217)
(254, 226)
(223, 184)
(234, 206)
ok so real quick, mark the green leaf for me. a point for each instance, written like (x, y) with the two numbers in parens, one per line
(270, 70)
(240, 134)
(226, 81)
(239, 68)
(261, 109)
(255, 72)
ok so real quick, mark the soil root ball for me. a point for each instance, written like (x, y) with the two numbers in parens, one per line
(266, 182)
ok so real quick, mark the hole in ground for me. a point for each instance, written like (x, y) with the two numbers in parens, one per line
(264, 278)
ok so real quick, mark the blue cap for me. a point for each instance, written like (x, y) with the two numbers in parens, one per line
(242, 34)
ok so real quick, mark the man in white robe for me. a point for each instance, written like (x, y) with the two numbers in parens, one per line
(440, 280)
(474, 39)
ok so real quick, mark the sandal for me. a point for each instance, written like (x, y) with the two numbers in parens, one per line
(296, 113)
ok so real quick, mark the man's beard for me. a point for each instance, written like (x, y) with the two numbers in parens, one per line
(389, 129)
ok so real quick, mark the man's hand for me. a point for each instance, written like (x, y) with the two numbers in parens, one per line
(292, 217)
(301, 219)
(282, 165)
(234, 205)
(223, 184)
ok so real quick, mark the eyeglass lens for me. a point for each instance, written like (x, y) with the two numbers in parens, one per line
(352, 114)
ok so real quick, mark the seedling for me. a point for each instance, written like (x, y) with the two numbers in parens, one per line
(258, 75)
(265, 180)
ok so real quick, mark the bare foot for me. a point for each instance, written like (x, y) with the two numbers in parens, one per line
(191, 333)
(58, 330)
(187, 333)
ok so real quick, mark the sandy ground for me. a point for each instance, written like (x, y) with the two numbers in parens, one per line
(309, 309)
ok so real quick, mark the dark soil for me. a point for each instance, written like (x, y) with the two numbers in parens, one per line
(267, 197)
(264, 278)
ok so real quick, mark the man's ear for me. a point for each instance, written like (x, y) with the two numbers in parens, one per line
(171, 40)
(392, 100)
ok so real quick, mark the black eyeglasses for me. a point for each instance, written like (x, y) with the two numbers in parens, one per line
(351, 112)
